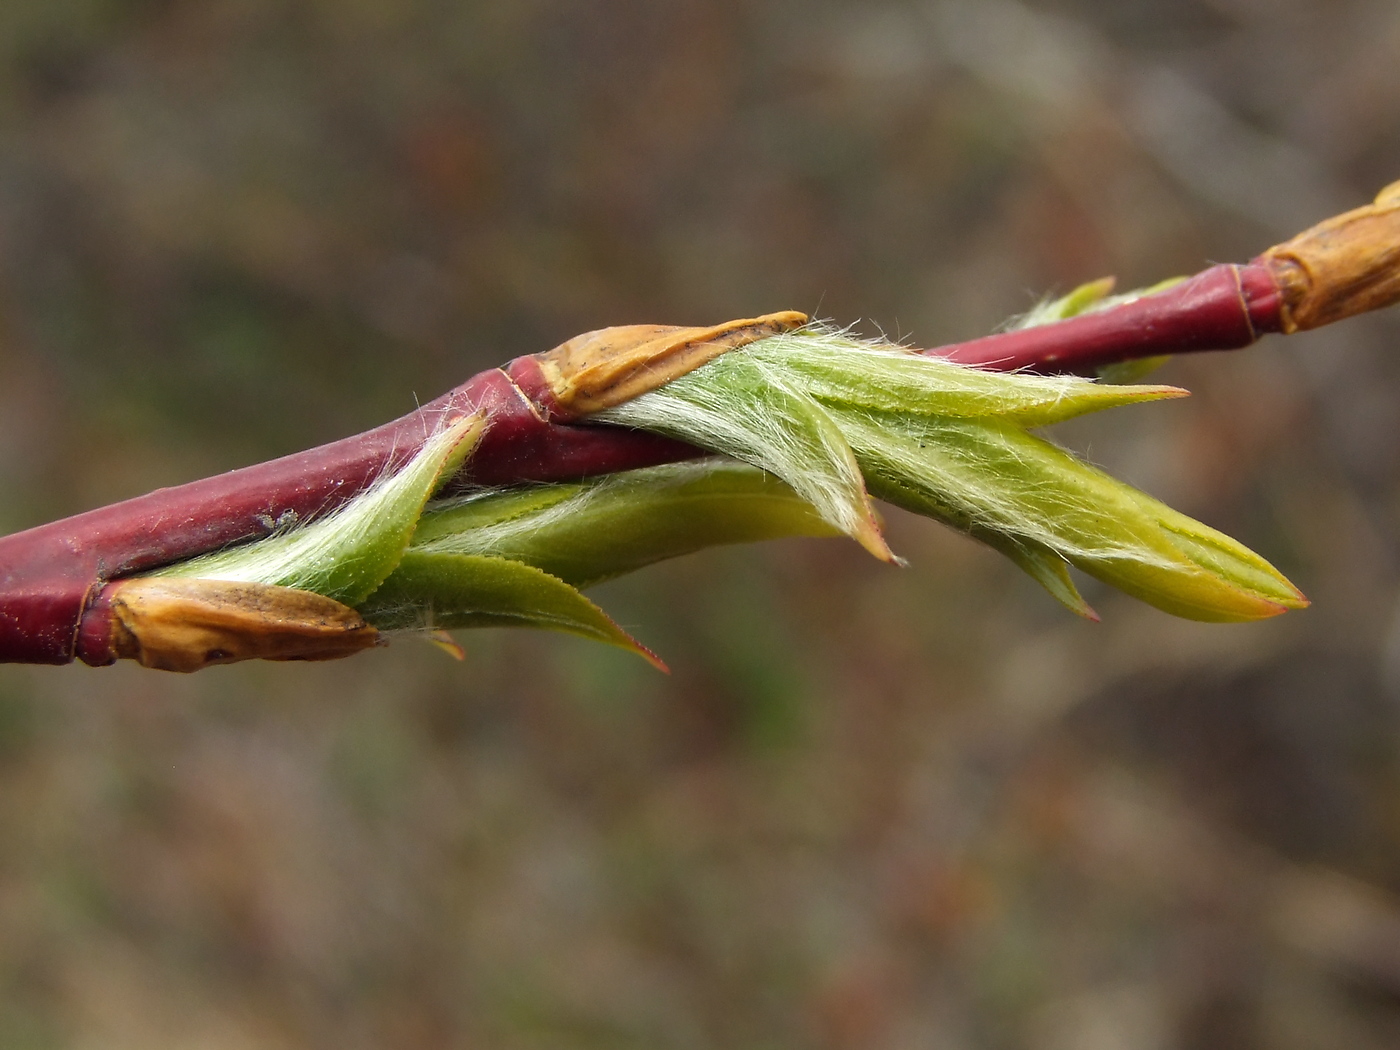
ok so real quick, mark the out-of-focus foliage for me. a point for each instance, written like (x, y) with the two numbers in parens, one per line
(871, 807)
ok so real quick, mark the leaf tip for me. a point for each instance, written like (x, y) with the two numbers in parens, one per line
(870, 536)
(1164, 392)
(650, 657)
(447, 644)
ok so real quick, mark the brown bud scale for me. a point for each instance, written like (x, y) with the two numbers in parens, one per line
(186, 625)
(1342, 267)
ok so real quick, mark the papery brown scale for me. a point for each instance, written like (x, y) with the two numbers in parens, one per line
(188, 625)
(597, 370)
(1347, 265)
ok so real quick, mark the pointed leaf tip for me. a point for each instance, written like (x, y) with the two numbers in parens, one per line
(869, 535)
(448, 644)
(451, 591)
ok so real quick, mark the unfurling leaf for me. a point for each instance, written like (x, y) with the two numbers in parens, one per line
(595, 530)
(1013, 489)
(840, 372)
(760, 414)
(346, 555)
(432, 592)
(950, 442)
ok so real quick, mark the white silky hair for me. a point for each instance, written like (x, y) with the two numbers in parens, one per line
(834, 367)
(1020, 505)
(498, 535)
(747, 407)
(309, 557)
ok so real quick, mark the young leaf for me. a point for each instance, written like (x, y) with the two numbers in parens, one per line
(592, 531)
(348, 554)
(995, 480)
(431, 592)
(949, 441)
(838, 370)
(739, 405)
(1043, 565)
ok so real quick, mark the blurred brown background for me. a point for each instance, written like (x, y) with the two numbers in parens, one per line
(870, 808)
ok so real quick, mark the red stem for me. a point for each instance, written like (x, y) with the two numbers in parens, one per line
(1223, 308)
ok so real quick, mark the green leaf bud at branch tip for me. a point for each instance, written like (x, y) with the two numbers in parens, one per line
(950, 442)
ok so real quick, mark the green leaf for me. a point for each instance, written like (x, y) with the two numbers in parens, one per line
(1222, 555)
(592, 531)
(840, 371)
(348, 553)
(1012, 488)
(949, 442)
(742, 406)
(430, 592)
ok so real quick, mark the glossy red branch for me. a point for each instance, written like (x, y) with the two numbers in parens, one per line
(1223, 308)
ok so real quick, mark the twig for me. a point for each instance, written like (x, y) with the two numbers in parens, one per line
(55, 599)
